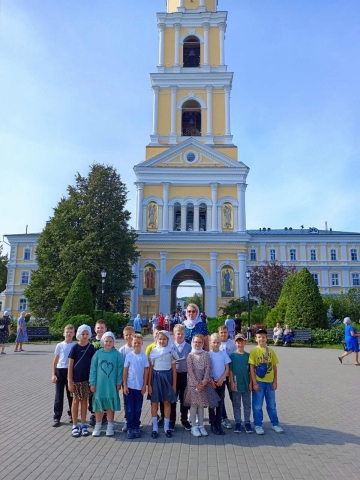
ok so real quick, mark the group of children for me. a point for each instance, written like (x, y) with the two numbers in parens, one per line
(92, 372)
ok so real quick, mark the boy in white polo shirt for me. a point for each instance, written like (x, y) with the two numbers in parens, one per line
(60, 373)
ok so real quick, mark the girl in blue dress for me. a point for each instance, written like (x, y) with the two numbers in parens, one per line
(351, 341)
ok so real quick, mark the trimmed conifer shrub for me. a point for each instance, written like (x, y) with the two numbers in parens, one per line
(305, 308)
(79, 301)
(277, 314)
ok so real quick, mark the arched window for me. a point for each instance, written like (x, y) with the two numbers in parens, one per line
(190, 217)
(177, 217)
(191, 52)
(202, 217)
(191, 119)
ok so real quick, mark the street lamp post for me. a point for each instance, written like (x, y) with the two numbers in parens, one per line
(103, 276)
(248, 276)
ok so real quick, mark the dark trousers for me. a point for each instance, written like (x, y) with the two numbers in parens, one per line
(181, 382)
(60, 385)
(215, 414)
(134, 402)
(227, 382)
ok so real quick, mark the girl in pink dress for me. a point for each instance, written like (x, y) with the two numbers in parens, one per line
(199, 393)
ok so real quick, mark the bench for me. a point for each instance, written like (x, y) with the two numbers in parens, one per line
(38, 332)
(299, 335)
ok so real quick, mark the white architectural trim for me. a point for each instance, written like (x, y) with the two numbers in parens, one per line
(191, 96)
(191, 33)
(183, 266)
(230, 200)
(152, 198)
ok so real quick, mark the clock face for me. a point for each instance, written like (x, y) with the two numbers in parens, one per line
(191, 156)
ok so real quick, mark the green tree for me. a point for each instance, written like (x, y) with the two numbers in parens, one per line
(197, 299)
(79, 301)
(277, 314)
(3, 269)
(305, 308)
(237, 305)
(267, 281)
(88, 232)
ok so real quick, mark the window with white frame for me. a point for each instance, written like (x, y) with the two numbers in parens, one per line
(335, 280)
(292, 254)
(22, 304)
(354, 254)
(333, 255)
(253, 255)
(316, 278)
(25, 277)
(27, 253)
(313, 255)
(355, 279)
(272, 254)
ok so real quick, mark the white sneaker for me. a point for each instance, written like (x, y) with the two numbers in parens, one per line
(110, 430)
(203, 431)
(124, 428)
(195, 431)
(97, 431)
(277, 429)
(259, 430)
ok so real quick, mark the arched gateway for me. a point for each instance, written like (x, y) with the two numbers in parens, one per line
(182, 276)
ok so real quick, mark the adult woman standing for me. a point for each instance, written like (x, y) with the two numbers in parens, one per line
(351, 341)
(21, 333)
(195, 326)
(4, 331)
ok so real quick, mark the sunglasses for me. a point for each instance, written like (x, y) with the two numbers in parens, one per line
(191, 311)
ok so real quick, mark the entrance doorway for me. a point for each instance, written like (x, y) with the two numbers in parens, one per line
(181, 277)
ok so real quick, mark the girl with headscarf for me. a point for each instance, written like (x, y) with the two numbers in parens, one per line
(78, 378)
(106, 375)
(162, 380)
(351, 341)
(195, 326)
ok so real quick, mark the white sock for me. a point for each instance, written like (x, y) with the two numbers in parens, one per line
(98, 424)
(111, 424)
(155, 424)
(166, 424)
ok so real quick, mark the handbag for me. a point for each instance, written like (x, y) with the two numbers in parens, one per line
(262, 368)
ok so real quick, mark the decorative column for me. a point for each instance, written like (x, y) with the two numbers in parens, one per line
(202, 4)
(214, 187)
(242, 274)
(209, 90)
(206, 26)
(173, 115)
(212, 301)
(227, 91)
(208, 218)
(171, 217)
(155, 90)
(181, 3)
(241, 188)
(183, 218)
(196, 218)
(163, 291)
(139, 200)
(222, 28)
(166, 187)
(177, 44)
(161, 28)
(323, 253)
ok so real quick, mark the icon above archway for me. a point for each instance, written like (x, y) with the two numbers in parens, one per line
(152, 216)
(227, 217)
(227, 282)
(149, 281)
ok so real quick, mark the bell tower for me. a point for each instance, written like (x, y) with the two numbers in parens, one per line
(191, 88)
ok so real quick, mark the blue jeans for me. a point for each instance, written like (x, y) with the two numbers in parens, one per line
(245, 398)
(134, 402)
(268, 393)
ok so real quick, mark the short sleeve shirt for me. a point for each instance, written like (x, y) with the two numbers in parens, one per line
(63, 349)
(239, 367)
(218, 362)
(257, 356)
(82, 356)
(228, 346)
(137, 362)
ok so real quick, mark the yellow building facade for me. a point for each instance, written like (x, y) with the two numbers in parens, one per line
(190, 189)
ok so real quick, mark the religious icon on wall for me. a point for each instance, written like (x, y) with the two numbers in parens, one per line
(227, 216)
(152, 215)
(227, 282)
(149, 280)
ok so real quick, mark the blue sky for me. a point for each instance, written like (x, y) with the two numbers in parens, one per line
(75, 88)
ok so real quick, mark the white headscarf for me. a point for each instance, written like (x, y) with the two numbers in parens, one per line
(347, 320)
(159, 351)
(191, 323)
(107, 334)
(81, 329)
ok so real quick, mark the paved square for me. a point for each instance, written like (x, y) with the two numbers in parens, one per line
(318, 406)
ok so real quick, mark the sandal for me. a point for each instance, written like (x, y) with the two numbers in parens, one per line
(84, 431)
(75, 431)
